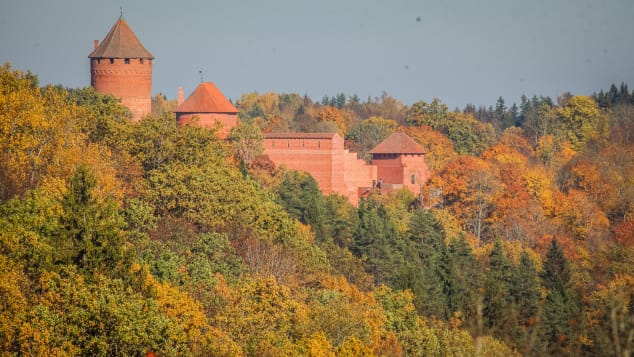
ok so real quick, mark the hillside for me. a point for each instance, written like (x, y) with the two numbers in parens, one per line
(120, 238)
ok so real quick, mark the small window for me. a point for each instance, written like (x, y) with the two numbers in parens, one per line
(413, 179)
(112, 61)
(126, 61)
(98, 60)
(141, 60)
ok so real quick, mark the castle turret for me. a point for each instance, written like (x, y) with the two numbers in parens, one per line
(208, 107)
(400, 162)
(121, 66)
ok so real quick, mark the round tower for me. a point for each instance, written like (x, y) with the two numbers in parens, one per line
(121, 66)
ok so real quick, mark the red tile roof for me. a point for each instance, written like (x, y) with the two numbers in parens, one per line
(121, 42)
(206, 98)
(299, 135)
(398, 143)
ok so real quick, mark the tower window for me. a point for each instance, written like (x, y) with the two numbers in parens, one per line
(126, 61)
(112, 61)
(413, 179)
(141, 60)
(98, 60)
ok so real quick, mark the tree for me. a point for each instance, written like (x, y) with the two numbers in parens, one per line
(427, 268)
(300, 196)
(579, 120)
(247, 141)
(469, 186)
(499, 309)
(91, 236)
(377, 241)
(561, 304)
(369, 133)
(433, 114)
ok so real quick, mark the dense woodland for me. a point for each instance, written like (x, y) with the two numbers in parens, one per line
(120, 238)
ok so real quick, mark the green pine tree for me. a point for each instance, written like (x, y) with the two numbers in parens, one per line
(561, 304)
(91, 235)
(499, 309)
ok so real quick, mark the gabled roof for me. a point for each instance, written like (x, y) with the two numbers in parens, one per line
(121, 42)
(206, 98)
(398, 143)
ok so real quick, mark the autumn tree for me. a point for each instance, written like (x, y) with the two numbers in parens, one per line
(369, 133)
(579, 120)
(247, 141)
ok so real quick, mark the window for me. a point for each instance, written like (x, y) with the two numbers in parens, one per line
(112, 61)
(413, 179)
(141, 60)
(126, 61)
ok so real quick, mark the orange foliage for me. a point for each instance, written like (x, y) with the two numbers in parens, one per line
(624, 233)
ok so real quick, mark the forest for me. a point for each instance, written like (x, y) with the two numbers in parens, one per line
(122, 239)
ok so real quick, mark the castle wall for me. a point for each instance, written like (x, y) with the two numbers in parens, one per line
(314, 156)
(416, 172)
(324, 157)
(356, 174)
(132, 82)
(337, 170)
(210, 120)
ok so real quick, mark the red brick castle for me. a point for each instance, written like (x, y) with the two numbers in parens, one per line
(121, 66)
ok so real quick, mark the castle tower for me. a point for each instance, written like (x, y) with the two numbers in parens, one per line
(207, 107)
(121, 66)
(400, 162)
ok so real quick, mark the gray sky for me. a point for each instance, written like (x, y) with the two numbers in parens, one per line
(461, 51)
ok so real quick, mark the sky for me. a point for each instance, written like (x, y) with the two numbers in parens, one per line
(460, 51)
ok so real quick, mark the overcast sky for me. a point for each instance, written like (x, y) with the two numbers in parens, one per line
(461, 51)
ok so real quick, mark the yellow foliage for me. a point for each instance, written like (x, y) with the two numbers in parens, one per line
(316, 345)
(332, 114)
(539, 184)
(41, 136)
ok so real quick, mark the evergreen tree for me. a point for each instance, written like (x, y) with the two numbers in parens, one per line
(499, 307)
(91, 235)
(427, 269)
(463, 293)
(299, 194)
(561, 304)
(526, 295)
(376, 240)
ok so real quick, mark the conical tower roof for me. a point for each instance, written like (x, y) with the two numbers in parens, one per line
(398, 143)
(206, 98)
(121, 42)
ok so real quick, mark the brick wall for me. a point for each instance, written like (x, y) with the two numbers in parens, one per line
(226, 121)
(337, 170)
(396, 170)
(314, 156)
(334, 168)
(132, 82)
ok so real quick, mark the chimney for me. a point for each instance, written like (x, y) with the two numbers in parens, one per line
(96, 44)
(180, 96)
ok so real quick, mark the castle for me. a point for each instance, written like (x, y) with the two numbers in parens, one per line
(121, 66)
